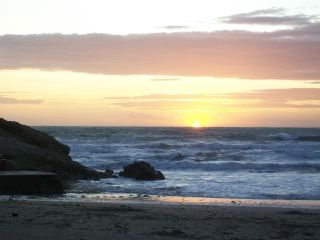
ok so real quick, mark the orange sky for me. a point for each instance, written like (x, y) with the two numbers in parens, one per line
(68, 98)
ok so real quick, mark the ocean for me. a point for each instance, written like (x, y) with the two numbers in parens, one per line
(247, 163)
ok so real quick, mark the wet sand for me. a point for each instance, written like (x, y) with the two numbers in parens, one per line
(87, 220)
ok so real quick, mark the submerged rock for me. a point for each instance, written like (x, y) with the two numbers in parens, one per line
(110, 173)
(141, 171)
(178, 157)
(28, 149)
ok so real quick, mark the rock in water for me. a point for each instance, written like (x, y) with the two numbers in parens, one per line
(31, 150)
(110, 173)
(141, 171)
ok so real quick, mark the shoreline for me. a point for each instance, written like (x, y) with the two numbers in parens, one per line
(36, 219)
(126, 198)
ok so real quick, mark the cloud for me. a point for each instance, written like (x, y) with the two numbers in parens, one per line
(164, 79)
(158, 105)
(175, 27)
(163, 97)
(273, 105)
(168, 105)
(265, 94)
(289, 94)
(297, 98)
(9, 100)
(148, 117)
(287, 54)
(273, 16)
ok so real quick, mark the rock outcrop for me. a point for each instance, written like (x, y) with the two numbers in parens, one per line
(31, 136)
(24, 148)
(27, 182)
(141, 171)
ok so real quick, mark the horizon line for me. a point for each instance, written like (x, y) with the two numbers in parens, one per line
(191, 127)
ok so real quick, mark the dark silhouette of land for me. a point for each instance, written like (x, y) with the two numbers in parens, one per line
(25, 149)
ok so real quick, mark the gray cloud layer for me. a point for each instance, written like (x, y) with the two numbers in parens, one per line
(175, 27)
(287, 54)
(273, 16)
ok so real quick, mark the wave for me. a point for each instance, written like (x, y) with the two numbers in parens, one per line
(282, 136)
(314, 138)
(238, 166)
(287, 137)
(284, 196)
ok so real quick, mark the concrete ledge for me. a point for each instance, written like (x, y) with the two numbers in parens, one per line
(30, 182)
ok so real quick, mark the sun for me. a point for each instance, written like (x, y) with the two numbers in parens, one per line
(196, 124)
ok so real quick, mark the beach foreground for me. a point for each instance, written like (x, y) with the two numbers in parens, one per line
(87, 220)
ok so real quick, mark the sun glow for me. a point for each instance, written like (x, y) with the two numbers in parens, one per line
(196, 124)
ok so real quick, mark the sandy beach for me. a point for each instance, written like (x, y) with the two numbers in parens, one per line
(88, 220)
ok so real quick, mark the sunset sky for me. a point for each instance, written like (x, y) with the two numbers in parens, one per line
(160, 63)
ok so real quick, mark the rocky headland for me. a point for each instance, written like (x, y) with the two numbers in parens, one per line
(23, 148)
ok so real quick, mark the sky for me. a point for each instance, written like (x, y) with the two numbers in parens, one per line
(160, 63)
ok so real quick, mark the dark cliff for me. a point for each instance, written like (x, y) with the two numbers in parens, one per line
(24, 148)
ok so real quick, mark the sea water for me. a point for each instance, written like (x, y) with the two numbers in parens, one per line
(256, 163)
